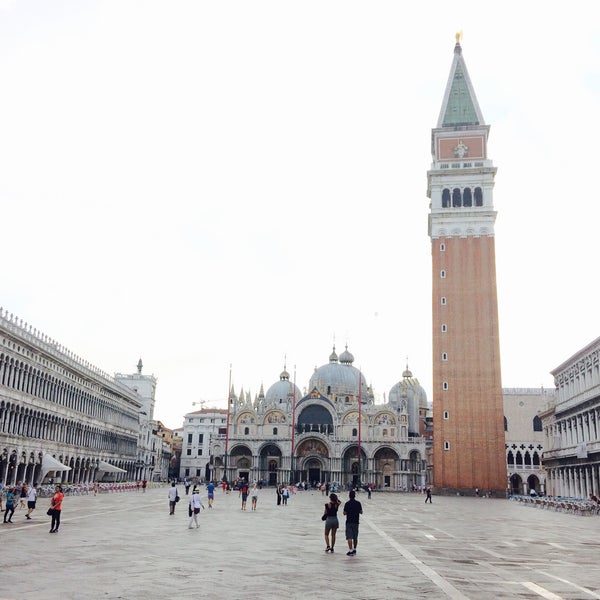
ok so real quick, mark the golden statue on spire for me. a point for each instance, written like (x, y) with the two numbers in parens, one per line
(458, 36)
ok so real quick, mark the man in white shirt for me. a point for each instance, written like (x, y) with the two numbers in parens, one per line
(31, 498)
(173, 497)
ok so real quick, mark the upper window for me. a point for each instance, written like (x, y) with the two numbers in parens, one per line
(444, 328)
(467, 198)
(442, 247)
(478, 197)
(443, 301)
(443, 274)
(446, 198)
(537, 424)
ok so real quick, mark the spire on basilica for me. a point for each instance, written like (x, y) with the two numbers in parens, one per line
(140, 366)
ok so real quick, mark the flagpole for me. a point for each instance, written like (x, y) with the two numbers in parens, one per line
(293, 472)
(359, 421)
(227, 426)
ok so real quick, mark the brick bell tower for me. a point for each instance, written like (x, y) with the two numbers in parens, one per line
(468, 414)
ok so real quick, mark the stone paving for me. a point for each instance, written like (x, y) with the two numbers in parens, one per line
(127, 546)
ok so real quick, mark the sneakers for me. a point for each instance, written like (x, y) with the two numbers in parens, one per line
(328, 549)
(351, 553)
(27, 517)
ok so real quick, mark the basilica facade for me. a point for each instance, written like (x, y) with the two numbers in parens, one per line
(335, 433)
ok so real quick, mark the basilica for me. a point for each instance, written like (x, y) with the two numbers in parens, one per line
(335, 433)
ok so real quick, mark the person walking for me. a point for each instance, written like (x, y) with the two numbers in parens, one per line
(187, 483)
(352, 510)
(210, 490)
(331, 520)
(244, 493)
(254, 496)
(195, 505)
(278, 491)
(31, 499)
(428, 496)
(9, 505)
(173, 495)
(56, 508)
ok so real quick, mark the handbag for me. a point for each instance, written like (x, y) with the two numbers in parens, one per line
(324, 518)
(49, 512)
(177, 498)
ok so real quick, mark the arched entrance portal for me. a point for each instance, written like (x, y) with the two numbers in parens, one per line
(533, 483)
(516, 484)
(354, 466)
(386, 467)
(270, 464)
(313, 458)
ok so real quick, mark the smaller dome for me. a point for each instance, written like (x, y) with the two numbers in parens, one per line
(333, 357)
(346, 358)
(284, 376)
(407, 372)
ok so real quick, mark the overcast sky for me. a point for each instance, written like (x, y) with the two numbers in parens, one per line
(202, 184)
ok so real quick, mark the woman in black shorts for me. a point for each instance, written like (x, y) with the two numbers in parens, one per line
(331, 520)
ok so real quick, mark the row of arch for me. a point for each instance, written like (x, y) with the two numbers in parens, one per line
(16, 420)
(462, 198)
(25, 466)
(531, 460)
(22, 377)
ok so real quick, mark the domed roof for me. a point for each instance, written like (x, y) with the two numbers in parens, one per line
(340, 379)
(409, 392)
(346, 358)
(282, 390)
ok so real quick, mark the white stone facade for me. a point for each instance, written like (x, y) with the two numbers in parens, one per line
(525, 438)
(572, 426)
(54, 402)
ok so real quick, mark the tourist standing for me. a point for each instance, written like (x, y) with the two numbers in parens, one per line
(9, 505)
(278, 491)
(187, 484)
(194, 509)
(352, 510)
(331, 520)
(285, 494)
(173, 495)
(254, 496)
(56, 508)
(31, 498)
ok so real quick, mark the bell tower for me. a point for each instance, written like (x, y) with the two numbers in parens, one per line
(468, 414)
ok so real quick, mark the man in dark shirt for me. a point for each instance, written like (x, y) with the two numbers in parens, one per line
(352, 510)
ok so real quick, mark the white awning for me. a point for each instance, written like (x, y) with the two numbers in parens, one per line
(108, 468)
(49, 463)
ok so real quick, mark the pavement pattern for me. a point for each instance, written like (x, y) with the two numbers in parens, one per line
(127, 546)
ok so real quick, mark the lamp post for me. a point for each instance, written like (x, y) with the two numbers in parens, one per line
(227, 426)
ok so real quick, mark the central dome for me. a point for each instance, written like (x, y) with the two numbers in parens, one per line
(339, 380)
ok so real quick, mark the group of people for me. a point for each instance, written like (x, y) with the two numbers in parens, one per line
(352, 511)
(24, 493)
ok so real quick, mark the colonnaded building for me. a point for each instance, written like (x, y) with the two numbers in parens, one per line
(335, 433)
(63, 418)
(571, 423)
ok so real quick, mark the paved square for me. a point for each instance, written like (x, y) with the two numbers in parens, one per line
(126, 546)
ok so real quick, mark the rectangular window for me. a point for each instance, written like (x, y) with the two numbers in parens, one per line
(201, 438)
(187, 472)
(198, 472)
(199, 451)
(446, 414)
(189, 438)
(189, 451)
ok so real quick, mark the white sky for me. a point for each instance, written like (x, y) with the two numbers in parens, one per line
(211, 183)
